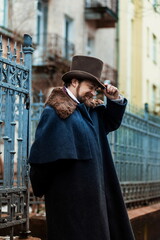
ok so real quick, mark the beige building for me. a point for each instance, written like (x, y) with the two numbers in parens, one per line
(139, 52)
(61, 29)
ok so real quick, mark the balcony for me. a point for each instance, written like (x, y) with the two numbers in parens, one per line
(51, 59)
(51, 49)
(101, 13)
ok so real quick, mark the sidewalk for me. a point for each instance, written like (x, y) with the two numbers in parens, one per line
(139, 212)
(145, 222)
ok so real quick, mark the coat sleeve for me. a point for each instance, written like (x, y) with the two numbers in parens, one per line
(39, 177)
(42, 175)
(113, 114)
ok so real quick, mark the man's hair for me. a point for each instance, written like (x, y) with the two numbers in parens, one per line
(68, 83)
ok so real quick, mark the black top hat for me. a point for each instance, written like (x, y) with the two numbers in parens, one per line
(85, 67)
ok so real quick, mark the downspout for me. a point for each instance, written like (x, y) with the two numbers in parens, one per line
(117, 47)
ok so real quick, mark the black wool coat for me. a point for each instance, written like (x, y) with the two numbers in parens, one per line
(72, 166)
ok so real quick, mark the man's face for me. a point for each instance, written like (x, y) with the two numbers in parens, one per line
(86, 90)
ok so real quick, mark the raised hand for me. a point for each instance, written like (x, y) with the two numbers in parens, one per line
(111, 92)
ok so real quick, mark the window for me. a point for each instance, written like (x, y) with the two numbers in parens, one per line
(3, 13)
(88, 3)
(41, 22)
(90, 46)
(154, 48)
(154, 89)
(156, 5)
(154, 2)
(40, 37)
(148, 42)
(68, 38)
(147, 91)
(159, 54)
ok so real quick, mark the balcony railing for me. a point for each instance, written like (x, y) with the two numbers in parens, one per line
(104, 13)
(54, 47)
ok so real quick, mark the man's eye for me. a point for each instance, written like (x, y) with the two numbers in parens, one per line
(90, 87)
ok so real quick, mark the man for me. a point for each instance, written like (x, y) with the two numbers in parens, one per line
(71, 163)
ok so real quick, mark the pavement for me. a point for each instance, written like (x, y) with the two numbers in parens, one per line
(135, 213)
(144, 220)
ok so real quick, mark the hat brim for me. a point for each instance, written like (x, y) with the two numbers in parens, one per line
(81, 75)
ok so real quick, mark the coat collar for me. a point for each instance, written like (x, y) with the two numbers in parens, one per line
(64, 104)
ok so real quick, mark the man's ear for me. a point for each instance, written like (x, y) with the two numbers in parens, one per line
(74, 82)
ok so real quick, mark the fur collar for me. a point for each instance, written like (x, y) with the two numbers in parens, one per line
(64, 104)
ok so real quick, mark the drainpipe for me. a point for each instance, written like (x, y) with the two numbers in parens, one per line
(117, 47)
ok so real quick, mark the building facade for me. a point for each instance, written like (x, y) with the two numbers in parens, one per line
(61, 29)
(139, 52)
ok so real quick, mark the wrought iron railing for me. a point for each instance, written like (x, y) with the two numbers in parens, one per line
(136, 148)
(101, 13)
(111, 5)
(139, 193)
(15, 85)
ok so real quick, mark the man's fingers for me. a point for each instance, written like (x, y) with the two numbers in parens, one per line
(111, 89)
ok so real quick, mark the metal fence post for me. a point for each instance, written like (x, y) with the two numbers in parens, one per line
(145, 145)
(28, 51)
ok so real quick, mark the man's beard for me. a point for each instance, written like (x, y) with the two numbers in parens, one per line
(86, 99)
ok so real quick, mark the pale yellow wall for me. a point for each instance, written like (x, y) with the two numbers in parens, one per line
(136, 57)
(125, 47)
(151, 70)
(130, 36)
(137, 72)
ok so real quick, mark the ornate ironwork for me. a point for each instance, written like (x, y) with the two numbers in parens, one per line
(15, 86)
(136, 148)
(138, 193)
(110, 4)
(103, 13)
